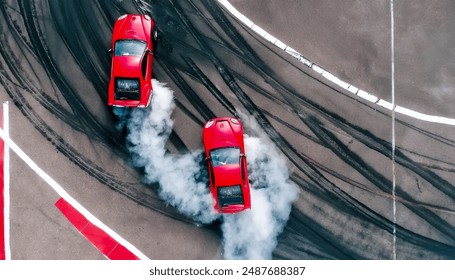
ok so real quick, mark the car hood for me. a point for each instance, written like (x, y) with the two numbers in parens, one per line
(222, 134)
(227, 175)
(126, 66)
(131, 27)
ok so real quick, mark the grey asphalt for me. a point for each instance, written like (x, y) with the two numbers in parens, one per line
(337, 146)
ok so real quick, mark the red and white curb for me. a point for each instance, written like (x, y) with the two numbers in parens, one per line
(329, 76)
(108, 242)
(105, 242)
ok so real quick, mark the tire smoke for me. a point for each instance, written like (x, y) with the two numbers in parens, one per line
(253, 234)
(247, 235)
(147, 133)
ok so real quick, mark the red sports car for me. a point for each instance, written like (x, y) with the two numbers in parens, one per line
(227, 167)
(133, 40)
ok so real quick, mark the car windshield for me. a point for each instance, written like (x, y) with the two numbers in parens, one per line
(129, 47)
(225, 156)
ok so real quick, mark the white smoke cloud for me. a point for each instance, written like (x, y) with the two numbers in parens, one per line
(247, 235)
(253, 234)
(147, 133)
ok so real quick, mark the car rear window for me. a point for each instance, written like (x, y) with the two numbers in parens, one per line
(230, 195)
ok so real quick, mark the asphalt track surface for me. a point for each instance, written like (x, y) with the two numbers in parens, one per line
(54, 70)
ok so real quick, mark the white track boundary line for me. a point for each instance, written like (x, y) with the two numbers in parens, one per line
(68, 198)
(329, 76)
(394, 184)
(6, 179)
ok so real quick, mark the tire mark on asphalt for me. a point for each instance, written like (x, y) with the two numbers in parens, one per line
(342, 199)
(19, 74)
(360, 134)
(83, 114)
(338, 250)
(230, 107)
(351, 129)
(286, 148)
(111, 11)
(78, 42)
(210, 86)
(292, 63)
(373, 176)
(136, 192)
(203, 110)
(188, 112)
(237, 40)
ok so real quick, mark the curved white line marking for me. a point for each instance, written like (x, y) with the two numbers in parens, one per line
(67, 197)
(329, 76)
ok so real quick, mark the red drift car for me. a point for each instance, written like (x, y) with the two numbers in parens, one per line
(133, 41)
(226, 160)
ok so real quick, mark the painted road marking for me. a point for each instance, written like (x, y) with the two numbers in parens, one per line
(95, 223)
(329, 76)
(99, 238)
(5, 251)
(2, 197)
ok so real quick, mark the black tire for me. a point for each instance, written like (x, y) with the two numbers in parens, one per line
(154, 37)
